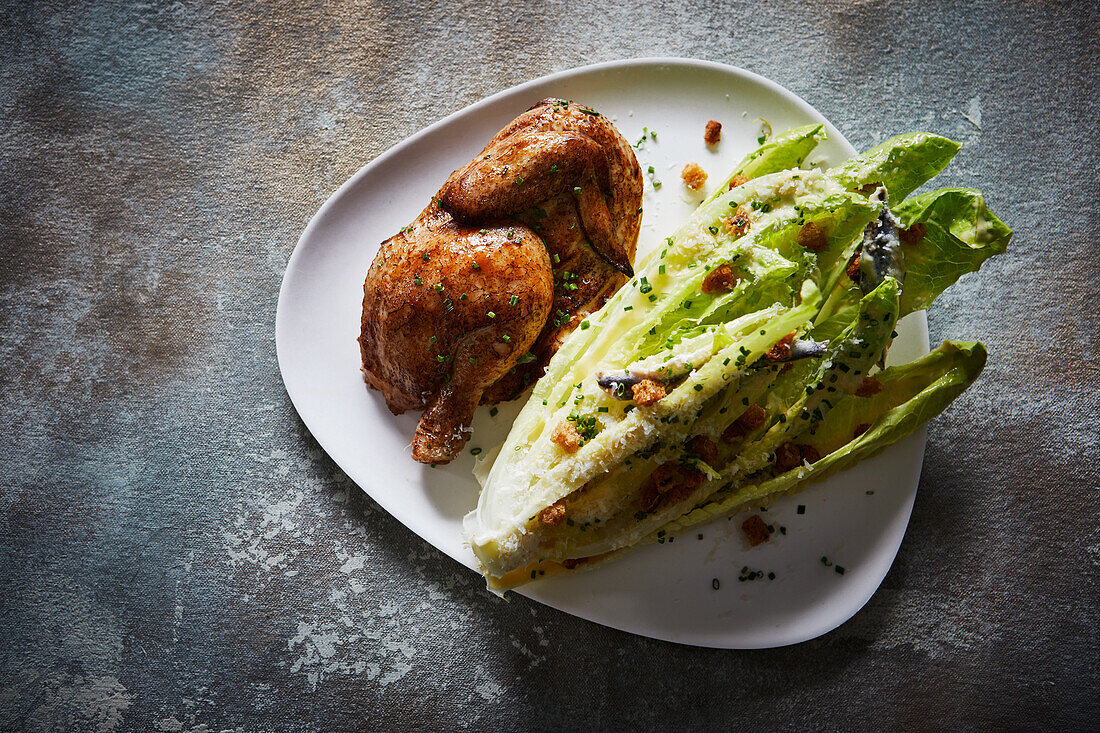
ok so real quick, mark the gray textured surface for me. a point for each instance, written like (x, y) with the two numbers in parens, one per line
(178, 554)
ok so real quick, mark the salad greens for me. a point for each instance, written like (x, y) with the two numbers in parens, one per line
(742, 361)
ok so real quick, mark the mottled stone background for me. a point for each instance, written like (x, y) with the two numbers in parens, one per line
(178, 554)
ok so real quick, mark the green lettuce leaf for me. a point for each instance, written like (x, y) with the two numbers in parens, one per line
(960, 233)
(912, 395)
(780, 152)
(902, 163)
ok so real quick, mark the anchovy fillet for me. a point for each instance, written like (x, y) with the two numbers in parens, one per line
(881, 255)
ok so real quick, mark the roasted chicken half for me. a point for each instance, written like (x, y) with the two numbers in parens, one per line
(467, 304)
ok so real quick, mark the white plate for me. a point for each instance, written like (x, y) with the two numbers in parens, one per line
(664, 591)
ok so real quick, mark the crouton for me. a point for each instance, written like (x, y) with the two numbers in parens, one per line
(755, 530)
(781, 351)
(694, 176)
(852, 270)
(554, 514)
(713, 132)
(719, 280)
(912, 235)
(750, 419)
(739, 222)
(869, 386)
(566, 436)
(812, 237)
(703, 447)
(648, 392)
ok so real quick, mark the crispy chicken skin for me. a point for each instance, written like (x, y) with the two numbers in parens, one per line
(469, 302)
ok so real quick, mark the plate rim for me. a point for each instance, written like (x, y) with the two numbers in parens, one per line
(294, 264)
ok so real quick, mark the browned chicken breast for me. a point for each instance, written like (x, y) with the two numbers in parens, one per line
(469, 302)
